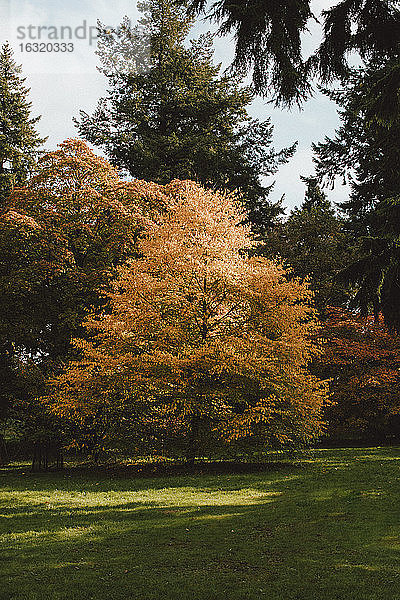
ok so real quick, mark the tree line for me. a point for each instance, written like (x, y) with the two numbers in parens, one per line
(160, 303)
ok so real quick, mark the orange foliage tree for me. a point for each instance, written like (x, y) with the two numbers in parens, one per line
(62, 237)
(362, 358)
(200, 343)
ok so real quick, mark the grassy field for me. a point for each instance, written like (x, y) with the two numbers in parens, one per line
(327, 528)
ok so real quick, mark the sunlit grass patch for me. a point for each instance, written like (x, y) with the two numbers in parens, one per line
(330, 528)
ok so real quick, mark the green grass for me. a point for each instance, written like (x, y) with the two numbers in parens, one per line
(326, 529)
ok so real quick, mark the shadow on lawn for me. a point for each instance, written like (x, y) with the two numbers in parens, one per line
(204, 554)
(156, 476)
(128, 478)
(330, 530)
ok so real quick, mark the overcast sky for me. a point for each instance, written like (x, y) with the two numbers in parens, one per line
(63, 83)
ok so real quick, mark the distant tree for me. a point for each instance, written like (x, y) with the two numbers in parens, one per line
(200, 336)
(312, 241)
(171, 115)
(367, 154)
(269, 42)
(362, 359)
(19, 140)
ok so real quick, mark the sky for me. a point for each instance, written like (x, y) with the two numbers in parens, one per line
(63, 83)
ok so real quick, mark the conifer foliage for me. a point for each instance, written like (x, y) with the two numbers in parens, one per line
(269, 42)
(366, 153)
(199, 336)
(314, 243)
(172, 115)
(19, 140)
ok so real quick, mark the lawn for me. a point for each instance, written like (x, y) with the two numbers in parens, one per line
(322, 529)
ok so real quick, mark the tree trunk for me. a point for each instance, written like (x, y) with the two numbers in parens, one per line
(192, 440)
(3, 451)
(60, 459)
(40, 458)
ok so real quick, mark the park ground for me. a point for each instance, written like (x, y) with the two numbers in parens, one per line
(324, 527)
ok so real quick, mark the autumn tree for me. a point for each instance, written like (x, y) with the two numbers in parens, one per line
(19, 140)
(362, 358)
(62, 237)
(201, 336)
(177, 117)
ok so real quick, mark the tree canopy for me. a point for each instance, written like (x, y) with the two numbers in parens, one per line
(174, 116)
(202, 335)
(19, 140)
(366, 153)
(269, 41)
(362, 360)
(61, 235)
(314, 244)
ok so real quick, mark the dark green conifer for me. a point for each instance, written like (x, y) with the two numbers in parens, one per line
(19, 140)
(170, 114)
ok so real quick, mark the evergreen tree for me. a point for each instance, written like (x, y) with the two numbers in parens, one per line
(269, 42)
(314, 197)
(19, 141)
(313, 242)
(367, 153)
(171, 115)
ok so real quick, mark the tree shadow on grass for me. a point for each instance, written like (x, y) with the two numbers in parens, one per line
(211, 552)
(127, 479)
(329, 532)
